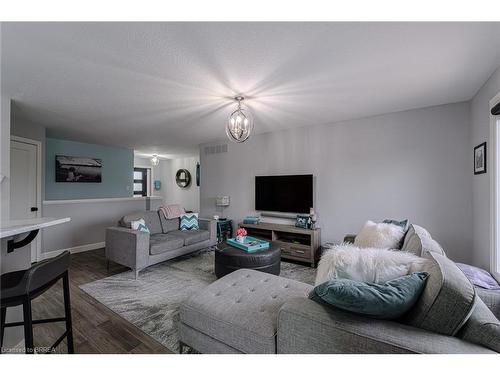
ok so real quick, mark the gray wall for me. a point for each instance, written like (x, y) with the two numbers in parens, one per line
(414, 164)
(188, 197)
(88, 221)
(117, 171)
(5, 157)
(480, 132)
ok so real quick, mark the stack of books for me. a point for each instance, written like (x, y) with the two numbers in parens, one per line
(251, 220)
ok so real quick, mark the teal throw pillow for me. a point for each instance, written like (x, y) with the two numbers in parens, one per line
(400, 223)
(189, 222)
(139, 225)
(381, 301)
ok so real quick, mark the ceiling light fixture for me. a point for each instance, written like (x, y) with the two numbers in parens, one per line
(240, 124)
(155, 160)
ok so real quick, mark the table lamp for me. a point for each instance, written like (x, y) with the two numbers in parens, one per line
(222, 201)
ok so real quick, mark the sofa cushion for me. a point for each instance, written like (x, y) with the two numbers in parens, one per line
(151, 218)
(191, 236)
(305, 326)
(418, 241)
(482, 328)
(447, 300)
(241, 309)
(380, 301)
(160, 243)
(168, 225)
(491, 298)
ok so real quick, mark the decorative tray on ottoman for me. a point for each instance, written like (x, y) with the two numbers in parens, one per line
(250, 245)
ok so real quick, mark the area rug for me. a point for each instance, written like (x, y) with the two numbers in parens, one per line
(152, 301)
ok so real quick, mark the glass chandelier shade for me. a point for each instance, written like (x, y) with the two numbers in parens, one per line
(240, 123)
(155, 160)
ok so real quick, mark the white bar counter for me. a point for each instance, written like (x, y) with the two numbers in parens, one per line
(10, 228)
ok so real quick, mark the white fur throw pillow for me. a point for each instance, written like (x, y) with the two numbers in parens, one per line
(366, 264)
(381, 235)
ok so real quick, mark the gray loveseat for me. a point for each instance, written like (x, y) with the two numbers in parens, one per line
(138, 250)
(252, 312)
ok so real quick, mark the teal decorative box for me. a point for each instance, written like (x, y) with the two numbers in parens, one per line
(250, 245)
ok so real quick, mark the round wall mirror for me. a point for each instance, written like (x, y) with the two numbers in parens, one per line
(183, 178)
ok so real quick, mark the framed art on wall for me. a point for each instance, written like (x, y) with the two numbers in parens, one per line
(183, 178)
(78, 169)
(480, 158)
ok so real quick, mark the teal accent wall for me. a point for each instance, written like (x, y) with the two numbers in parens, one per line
(117, 171)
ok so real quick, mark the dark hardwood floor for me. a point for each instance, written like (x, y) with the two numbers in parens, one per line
(96, 329)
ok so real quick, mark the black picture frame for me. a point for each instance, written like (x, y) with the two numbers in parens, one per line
(75, 169)
(480, 159)
(183, 178)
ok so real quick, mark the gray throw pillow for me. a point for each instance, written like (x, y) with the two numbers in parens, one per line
(448, 298)
(381, 301)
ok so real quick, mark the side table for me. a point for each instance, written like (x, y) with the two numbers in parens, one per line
(224, 230)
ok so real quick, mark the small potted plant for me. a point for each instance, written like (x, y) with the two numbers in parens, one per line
(240, 235)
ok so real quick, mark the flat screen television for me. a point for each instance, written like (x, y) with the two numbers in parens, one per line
(290, 193)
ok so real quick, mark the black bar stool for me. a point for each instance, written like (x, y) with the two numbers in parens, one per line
(21, 287)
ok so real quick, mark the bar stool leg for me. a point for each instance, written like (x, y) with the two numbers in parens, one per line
(67, 313)
(2, 324)
(28, 327)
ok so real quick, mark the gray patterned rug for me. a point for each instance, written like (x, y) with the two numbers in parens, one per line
(152, 301)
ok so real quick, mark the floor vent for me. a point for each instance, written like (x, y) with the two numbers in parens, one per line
(215, 149)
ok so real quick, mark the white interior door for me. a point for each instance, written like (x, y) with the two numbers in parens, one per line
(24, 194)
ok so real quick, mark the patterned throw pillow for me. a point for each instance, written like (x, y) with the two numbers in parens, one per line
(140, 225)
(189, 222)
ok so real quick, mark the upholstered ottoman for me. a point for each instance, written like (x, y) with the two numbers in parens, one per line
(237, 313)
(228, 259)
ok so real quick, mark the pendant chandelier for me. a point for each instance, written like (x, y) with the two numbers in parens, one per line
(155, 160)
(240, 124)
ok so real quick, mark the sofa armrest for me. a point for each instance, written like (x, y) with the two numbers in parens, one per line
(211, 226)
(127, 247)
(305, 326)
(491, 298)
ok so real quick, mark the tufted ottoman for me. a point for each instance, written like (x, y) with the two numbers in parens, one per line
(237, 313)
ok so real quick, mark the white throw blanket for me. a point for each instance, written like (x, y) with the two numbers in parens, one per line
(366, 264)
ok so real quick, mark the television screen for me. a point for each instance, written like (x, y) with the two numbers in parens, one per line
(292, 193)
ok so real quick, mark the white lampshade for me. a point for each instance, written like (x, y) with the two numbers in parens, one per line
(222, 201)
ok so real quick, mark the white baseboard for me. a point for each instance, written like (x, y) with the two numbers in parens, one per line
(73, 250)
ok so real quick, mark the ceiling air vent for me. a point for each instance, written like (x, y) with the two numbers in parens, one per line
(215, 149)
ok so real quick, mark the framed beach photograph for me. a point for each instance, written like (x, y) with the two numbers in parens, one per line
(78, 169)
(480, 158)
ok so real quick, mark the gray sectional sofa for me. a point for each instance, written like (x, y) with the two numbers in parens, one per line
(138, 250)
(253, 312)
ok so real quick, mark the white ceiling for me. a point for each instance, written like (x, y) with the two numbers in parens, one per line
(166, 87)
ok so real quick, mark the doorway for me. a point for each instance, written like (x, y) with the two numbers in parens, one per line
(25, 183)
